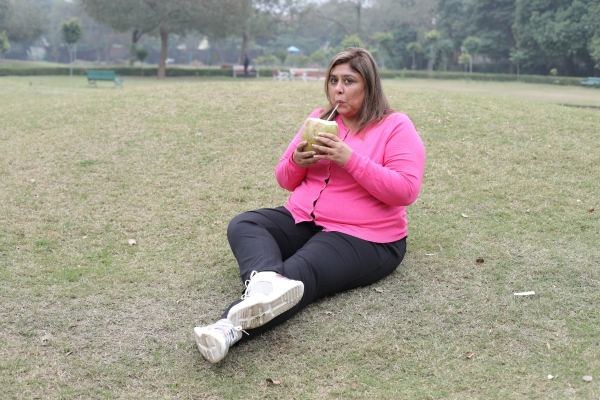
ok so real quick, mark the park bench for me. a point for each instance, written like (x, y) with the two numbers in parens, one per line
(591, 81)
(94, 76)
(317, 75)
(308, 73)
(279, 75)
(238, 70)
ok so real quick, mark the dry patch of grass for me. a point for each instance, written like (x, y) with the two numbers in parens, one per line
(83, 314)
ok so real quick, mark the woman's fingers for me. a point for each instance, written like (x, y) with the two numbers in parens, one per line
(332, 148)
(304, 158)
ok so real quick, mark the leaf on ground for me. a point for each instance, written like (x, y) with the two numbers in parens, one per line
(131, 242)
(378, 290)
(591, 210)
(273, 381)
(588, 378)
(45, 340)
(353, 385)
(471, 356)
(480, 261)
(464, 215)
(453, 282)
(548, 346)
(550, 377)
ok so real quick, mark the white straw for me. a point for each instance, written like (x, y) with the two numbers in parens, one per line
(336, 106)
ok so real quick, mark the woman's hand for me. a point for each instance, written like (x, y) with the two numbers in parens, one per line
(333, 149)
(304, 158)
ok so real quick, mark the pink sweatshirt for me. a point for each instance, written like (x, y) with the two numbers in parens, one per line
(367, 197)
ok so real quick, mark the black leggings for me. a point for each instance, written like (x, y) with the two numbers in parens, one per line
(326, 262)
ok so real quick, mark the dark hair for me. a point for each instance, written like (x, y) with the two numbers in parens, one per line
(375, 106)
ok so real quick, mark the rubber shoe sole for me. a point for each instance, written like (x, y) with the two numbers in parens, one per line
(259, 309)
(213, 348)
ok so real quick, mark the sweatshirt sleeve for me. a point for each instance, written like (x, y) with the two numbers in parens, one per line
(397, 181)
(289, 174)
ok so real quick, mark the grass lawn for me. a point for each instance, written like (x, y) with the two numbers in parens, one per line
(507, 205)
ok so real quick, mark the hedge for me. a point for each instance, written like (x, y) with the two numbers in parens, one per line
(267, 72)
(123, 71)
(478, 76)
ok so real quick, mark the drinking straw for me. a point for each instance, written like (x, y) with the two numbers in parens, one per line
(336, 106)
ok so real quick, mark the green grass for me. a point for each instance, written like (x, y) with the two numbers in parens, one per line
(83, 314)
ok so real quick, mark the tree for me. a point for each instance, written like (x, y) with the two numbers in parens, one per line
(517, 57)
(594, 49)
(165, 17)
(259, 19)
(122, 16)
(464, 59)
(446, 49)
(141, 55)
(352, 41)
(21, 20)
(491, 21)
(471, 44)
(431, 39)
(556, 31)
(318, 56)
(6, 11)
(71, 32)
(414, 48)
(384, 42)
(452, 20)
(4, 44)
(346, 23)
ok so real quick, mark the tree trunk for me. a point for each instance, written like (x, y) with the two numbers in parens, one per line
(70, 47)
(135, 37)
(244, 48)
(358, 12)
(568, 63)
(164, 36)
(430, 62)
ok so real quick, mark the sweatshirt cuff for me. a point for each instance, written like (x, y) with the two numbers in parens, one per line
(295, 168)
(352, 162)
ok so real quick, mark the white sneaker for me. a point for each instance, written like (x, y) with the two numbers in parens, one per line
(214, 340)
(267, 295)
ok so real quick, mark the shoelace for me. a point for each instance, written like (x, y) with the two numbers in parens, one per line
(229, 331)
(247, 283)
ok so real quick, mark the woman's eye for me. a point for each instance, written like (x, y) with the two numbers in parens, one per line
(348, 81)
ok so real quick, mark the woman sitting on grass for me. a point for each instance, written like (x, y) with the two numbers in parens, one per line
(344, 225)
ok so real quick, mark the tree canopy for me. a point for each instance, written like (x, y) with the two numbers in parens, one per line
(21, 20)
(165, 17)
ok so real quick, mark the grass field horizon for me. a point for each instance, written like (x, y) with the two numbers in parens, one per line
(509, 204)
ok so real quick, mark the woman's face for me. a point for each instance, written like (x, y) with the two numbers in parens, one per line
(347, 90)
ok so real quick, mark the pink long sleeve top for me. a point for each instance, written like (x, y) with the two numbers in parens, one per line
(367, 197)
